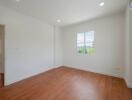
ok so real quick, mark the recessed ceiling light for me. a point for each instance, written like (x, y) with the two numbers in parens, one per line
(17, 0)
(58, 20)
(101, 4)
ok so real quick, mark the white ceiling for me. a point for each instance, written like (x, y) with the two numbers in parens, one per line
(69, 11)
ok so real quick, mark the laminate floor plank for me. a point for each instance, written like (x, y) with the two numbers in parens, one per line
(67, 84)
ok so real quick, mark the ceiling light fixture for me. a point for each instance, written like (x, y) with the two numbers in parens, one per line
(58, 20)
(17, 0)
(101, 4)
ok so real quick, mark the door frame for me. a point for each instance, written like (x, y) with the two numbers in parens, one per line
(3, 51)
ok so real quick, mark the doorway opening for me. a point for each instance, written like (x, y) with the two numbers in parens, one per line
(2, 56)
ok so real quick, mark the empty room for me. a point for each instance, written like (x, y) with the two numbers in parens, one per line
(65, 50)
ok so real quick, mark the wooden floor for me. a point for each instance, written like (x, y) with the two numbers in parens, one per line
(67, 84)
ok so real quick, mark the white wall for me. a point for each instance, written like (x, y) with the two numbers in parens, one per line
(1, 67)
(58, 47)
(128, 40)
(29, 45)
(108, 57)
(131, 48)
(127, 46)
(1, 49)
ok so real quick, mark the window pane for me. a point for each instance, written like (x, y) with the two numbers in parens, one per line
(89, 42)
(80, 50)
(89, 50)
(80, 43)
(89, 36)
(80, 38)
(85, 43)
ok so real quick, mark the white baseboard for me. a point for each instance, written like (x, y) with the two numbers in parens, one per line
(57, 66)
(97, 71)
(9, 82)
(129, 84)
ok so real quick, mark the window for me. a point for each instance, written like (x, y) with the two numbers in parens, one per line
(85, 43)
